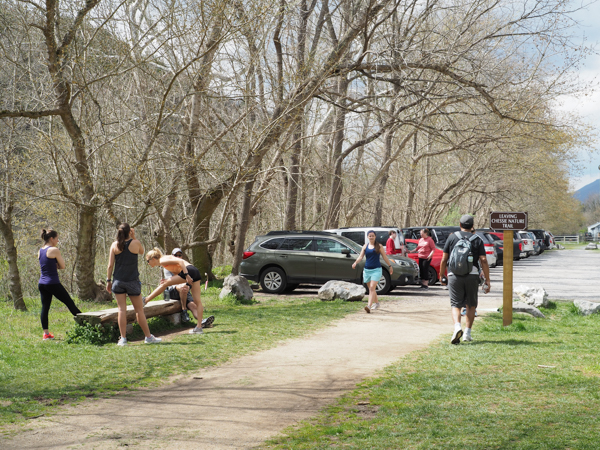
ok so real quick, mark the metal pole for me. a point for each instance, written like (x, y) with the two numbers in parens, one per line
(507, 286)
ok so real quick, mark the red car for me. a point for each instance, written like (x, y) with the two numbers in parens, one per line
(434, 268)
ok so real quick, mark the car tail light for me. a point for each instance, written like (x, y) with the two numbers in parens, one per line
(247, 255)
(489, 249)
(520, 247)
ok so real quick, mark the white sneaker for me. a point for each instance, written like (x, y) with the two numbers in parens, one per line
(467, 338)
(374, 306)
(456, 336)
(152, 340)
(196, 330)
(122, 342)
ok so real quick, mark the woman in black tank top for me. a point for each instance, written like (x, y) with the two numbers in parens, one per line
(124, 258)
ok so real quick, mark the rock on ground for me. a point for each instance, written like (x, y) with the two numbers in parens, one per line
(341, 289)
(528, 309)
(591, 246)
(535, 296)
(587, 308)
(238, 286)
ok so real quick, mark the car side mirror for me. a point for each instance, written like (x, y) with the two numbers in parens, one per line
(346, 251)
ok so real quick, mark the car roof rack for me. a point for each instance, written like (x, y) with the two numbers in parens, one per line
(286, 232)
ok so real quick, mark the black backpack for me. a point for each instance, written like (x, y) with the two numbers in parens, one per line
(461, 258)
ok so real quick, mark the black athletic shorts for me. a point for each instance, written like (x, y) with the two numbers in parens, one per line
(174, 294)
(194, 273)
(127, 287)
(463, 290)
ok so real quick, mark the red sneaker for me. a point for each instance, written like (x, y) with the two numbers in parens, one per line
(48, 336)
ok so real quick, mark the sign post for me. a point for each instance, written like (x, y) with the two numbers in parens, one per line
(507, 279)
(508, 223)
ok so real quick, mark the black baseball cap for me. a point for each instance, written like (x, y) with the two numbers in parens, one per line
(466, 221)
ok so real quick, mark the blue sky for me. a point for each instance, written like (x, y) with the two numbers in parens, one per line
(587, 107)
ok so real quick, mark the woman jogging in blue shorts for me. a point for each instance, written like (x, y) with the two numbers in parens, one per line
(372, 271)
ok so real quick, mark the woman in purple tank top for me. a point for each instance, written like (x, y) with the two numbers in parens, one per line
(51, 261)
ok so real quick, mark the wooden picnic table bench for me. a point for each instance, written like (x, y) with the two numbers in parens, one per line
(167, 308)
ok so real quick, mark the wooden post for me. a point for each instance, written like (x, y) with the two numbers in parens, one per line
(507, 288)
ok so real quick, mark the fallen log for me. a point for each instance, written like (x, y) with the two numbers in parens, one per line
(152, 309)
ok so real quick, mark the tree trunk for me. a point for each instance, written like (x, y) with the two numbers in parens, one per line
(291, 202)
(335, 194)
(204, 210)
(410, 188)
(243, 225)
(86, 253)
(14, 279)
(380, 192)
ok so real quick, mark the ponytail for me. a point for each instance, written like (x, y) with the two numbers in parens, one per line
(48, 234)
(377, 246)
(122, 235)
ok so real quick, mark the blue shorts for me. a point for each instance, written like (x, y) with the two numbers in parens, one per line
(372, 275)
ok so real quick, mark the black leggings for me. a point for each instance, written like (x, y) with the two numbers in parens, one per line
(424, 268)
(58, 291)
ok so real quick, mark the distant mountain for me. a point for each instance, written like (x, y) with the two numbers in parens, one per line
(589, 189)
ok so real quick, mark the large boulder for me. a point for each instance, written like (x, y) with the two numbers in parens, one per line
(528, 309)
(587, 308)
(591, 246)
(531, 295)
(341, 289)
(237, 286)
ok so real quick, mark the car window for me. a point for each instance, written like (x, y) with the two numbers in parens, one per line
(411, 233)
(382, 237)
(298, 244)
(272, 244)
(411, 247)
(356, 236)
(331, 246)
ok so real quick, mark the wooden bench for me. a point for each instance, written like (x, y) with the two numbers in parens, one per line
(167, 308)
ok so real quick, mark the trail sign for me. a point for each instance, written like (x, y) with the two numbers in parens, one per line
(508, 223)
(503, 221)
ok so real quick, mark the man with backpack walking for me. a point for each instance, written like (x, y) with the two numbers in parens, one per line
(464, 255)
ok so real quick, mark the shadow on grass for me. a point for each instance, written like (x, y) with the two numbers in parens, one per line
(515, 342)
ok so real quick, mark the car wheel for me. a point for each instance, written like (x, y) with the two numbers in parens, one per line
(432, 276)
(273, 280)
(290, 287)
(385, 284)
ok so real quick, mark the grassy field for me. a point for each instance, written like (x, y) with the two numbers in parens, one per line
(532, 385)
(36, 375)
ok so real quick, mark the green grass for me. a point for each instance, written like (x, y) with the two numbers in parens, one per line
(532, 385)
(573, 245)
(36, 375)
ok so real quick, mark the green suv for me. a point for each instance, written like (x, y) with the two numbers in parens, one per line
(281, 260)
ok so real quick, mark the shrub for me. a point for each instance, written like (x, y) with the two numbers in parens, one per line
(92, 334)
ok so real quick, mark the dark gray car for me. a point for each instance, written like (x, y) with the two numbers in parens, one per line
(281, 260)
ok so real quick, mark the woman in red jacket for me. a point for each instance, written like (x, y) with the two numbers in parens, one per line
(393, 245)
